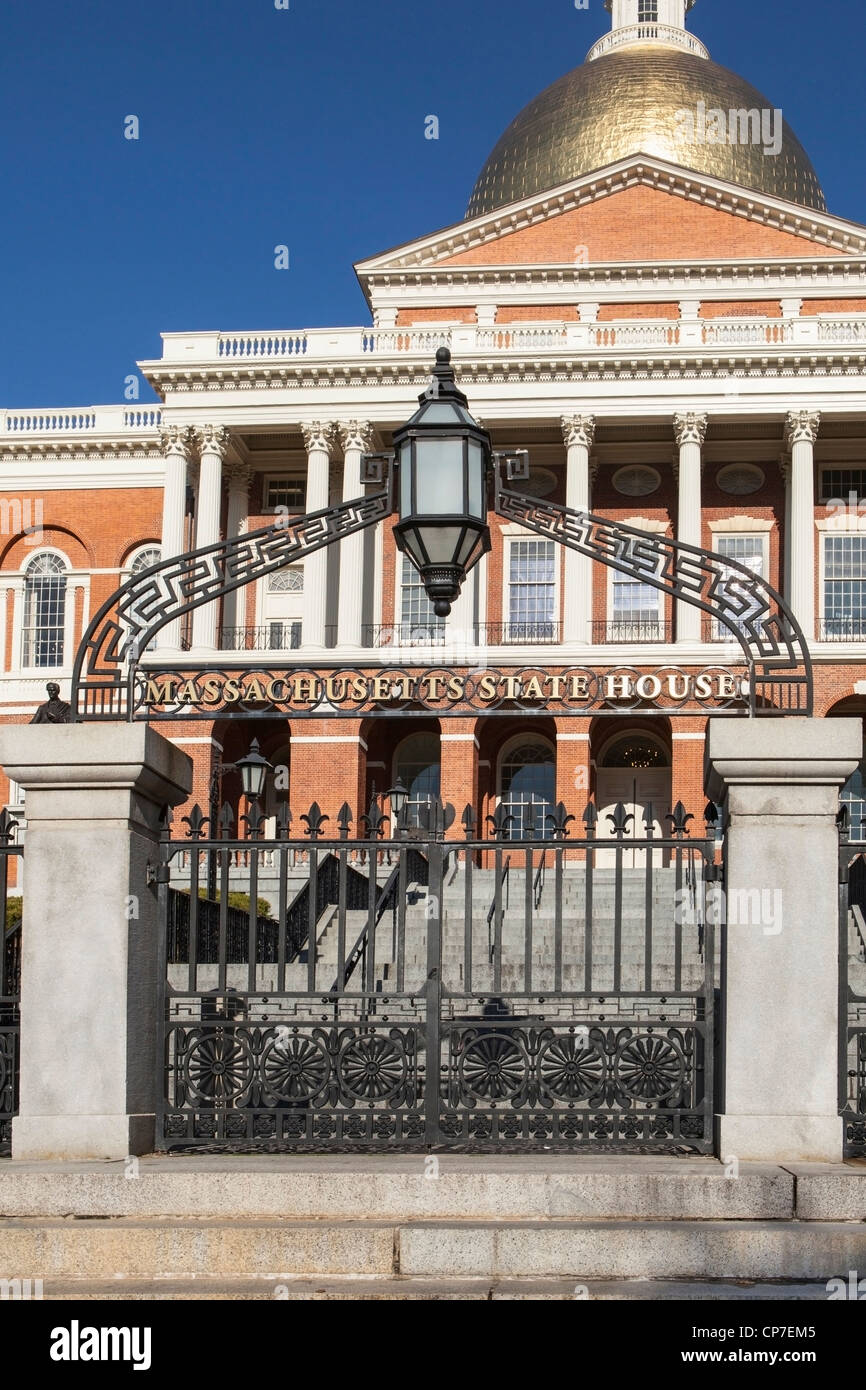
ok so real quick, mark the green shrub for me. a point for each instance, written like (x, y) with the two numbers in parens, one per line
(241, 901)
(13, 912)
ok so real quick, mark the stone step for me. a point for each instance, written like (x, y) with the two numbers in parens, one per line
(121, 1248)
(334, 1290)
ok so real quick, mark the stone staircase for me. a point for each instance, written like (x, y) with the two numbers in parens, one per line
(401, 1226)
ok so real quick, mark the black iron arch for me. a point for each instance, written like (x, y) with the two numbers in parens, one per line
(773, 645)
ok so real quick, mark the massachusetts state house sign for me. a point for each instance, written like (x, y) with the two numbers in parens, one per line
(347, 692)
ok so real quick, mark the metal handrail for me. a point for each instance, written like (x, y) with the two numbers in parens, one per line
(359, 950)
(538, 881)
(504, 882)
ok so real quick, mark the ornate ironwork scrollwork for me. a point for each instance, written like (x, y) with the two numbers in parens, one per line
(756, 615)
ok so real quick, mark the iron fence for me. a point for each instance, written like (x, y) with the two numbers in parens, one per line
(464, 993)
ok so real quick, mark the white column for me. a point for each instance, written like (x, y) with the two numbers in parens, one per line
(780, 780)
(356, 437)
(319, 441)
(177, 443)
(690, 431)
(239, 479)
(213, 443)
(801, 434)
(578, 431)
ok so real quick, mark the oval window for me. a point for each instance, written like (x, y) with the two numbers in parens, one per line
(740, 479)
(636, 480)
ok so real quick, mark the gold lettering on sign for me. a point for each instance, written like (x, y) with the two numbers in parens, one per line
(272, 691)
(456, 687)
(727, 687)
(359, 688)
(512, 687)
(381, 688)
(305, 691)
(578, 688)
(255, 691)
(231, 691)
(487, 687)
(335, 689)
(618, 687)
(703, 687)
(211, 691)
(160, 690)
(532, 690)
(188, 693)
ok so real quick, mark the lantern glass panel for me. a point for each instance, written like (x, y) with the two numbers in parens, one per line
(406, 478)
(439, 481)
(476, 480)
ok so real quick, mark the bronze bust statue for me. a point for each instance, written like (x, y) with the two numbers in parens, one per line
(55, 710)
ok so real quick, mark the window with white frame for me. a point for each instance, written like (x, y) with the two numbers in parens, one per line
(841, 484)
(844, 587)
(749, 550)
(43, 630)
(418, 622)
(636, 612)
(283, 610)
(647, 11)
(285, 494)
(531, 591)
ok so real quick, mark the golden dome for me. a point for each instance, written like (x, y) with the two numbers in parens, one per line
(627, 102)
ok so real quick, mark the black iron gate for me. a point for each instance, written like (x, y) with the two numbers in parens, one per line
(852, 984)
(552, 991)
(10, 986)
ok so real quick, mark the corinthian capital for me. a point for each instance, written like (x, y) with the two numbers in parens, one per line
(356, 435)
(801, 427)
(239, 475)
(319, 435)
(578, 429)
(178, 441)
(690, 428)
(213, 439)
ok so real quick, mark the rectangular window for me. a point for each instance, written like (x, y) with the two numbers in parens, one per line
(531, 592)
(284, 637)
(844, 617)
(637, 612)
(647, 12)
(750, 551)
(837, 484)
(290, 493)
(418, 623)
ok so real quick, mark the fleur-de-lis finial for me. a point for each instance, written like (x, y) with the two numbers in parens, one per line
(619, 819)
(560, 820)
(196, 820)
(679, 820)
(314, 820)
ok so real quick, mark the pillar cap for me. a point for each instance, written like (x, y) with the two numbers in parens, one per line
(791, 752)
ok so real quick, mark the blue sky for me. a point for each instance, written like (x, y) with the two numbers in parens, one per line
(302, 127)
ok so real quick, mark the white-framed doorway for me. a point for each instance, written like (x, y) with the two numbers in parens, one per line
(634, 769)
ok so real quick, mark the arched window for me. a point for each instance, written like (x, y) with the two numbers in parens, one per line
(140, 561)
(634, 750)
(43, 633)
(417, 766)
(527, 787)
(144, 558)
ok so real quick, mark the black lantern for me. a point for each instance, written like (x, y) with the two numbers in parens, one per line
(398, 796)
(443, 456)
(254, 771)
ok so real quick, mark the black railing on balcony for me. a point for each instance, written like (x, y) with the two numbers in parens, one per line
(842, 630)
(621, 630)
(518, 633)
(479, 634)
(403, 634)
(270, 637)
